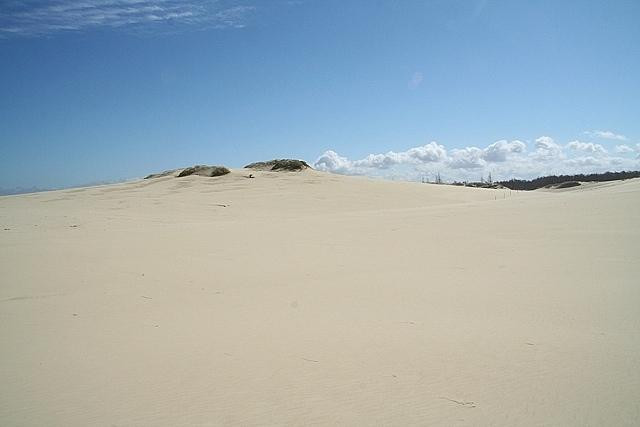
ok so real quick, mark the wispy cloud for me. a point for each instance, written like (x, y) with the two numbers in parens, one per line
(605, 134)
(416, 80)
(504, 159)
(624, 149)
(39, 18)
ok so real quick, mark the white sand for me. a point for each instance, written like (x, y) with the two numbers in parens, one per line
(319, 299)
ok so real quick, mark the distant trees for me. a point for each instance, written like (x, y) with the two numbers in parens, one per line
(520, 184)
(438, 178)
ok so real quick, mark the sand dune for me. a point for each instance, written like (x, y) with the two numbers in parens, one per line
(308, 298)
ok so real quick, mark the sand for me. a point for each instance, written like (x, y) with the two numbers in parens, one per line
(309, 298)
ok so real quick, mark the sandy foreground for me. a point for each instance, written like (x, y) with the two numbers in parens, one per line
(309, 298)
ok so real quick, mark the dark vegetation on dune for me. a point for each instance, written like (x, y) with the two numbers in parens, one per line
(566, 184)
(566, 181)
(160, 174)
(482, 184)
(203, 170)
(280, 165)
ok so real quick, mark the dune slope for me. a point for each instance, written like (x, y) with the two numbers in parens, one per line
(308, 298)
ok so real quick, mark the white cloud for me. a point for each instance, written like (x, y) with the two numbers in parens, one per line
(431, 152)
(504, 159)
(428, 153)
(605, 134)
(584, 161)
(588, 147)
(43, 18)
(415, 80)
(547, 149)
(330, 161)
(500, 150)
(623, 149)
(466, 158)
(379, 161)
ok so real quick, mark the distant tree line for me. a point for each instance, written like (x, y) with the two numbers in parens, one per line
(521, 184)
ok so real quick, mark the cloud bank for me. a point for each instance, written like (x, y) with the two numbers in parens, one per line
(504, 159)
(41, 17)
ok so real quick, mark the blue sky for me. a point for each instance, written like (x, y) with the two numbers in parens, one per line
(98, 90)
